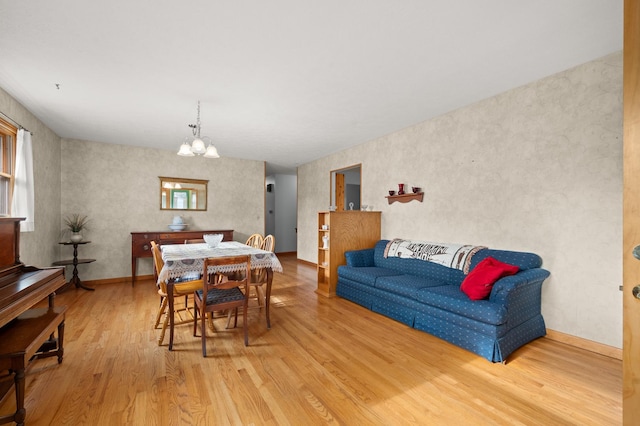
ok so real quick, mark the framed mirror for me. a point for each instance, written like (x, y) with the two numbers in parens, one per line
(183, 194)
(345, 188)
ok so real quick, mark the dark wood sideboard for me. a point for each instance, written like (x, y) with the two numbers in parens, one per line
(141, 242)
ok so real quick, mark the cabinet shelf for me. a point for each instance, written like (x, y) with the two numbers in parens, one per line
(405, 198)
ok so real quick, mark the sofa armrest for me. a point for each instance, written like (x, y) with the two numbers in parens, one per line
(527, 278)
(520, 294)
(360, 258)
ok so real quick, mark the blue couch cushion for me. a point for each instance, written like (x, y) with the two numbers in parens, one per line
(406, 285)
(452, 299)
(365, 275)
(360, 257)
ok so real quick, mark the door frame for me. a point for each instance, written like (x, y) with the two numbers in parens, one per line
(631, 214)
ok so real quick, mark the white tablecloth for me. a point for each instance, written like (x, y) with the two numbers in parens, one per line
(185, 259)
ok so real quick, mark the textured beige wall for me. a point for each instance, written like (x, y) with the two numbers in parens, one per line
(40, 247)
(117, 187)
(538, 168)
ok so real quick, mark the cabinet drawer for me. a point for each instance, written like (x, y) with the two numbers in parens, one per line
(141, 244)
(184, 235)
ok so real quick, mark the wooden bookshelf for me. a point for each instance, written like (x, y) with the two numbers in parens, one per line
(346, 230)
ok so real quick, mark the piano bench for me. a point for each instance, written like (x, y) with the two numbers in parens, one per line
(28, 337)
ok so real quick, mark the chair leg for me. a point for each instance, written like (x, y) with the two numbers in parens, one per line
(204, 334)
(210, 318)
(244, 322)
(161, 310)
(195, 319)
(165, 323)
(260, 295)
(228, 318)
(235, 323)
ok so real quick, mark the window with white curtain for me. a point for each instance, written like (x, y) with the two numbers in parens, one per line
(8, 136)
(22, 199)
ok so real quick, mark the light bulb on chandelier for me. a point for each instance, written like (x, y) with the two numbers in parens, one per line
(197, 145)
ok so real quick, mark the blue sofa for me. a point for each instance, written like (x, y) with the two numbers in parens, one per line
(427, 296)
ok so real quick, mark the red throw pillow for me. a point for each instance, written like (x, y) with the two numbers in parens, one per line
(478, 284)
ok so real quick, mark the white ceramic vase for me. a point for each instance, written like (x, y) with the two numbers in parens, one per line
(76, 237)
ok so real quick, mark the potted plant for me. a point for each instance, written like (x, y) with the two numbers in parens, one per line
(75, 224)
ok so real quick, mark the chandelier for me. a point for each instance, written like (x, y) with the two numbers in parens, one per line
(197, 145)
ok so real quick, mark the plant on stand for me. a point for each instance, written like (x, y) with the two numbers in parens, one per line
(75, 224)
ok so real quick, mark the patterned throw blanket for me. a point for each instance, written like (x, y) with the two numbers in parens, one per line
(455, 256)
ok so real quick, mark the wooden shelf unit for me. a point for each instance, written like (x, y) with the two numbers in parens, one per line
(347, 230)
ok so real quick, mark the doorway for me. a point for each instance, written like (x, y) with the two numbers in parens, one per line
(281, 214)
(346, 188)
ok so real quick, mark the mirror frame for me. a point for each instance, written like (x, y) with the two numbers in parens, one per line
(332, 182)
(164, 190)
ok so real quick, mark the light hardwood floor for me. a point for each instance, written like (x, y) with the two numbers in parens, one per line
(323, 361)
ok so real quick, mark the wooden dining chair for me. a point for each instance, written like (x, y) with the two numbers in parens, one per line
(194, 241)
(222, 292)
(259, 277)
(255, 241)
(269, 243)
(180, 288)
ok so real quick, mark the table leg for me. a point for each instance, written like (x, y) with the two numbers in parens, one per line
(267, 299)
(21, 412)
(134, 266)
(170, 313)
(60, 342)
(75, 279)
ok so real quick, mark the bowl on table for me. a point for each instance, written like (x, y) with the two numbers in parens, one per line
(212, 240)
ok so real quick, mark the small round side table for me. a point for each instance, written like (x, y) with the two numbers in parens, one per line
(75, 279)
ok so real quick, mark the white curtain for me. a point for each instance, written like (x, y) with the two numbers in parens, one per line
(23, 189)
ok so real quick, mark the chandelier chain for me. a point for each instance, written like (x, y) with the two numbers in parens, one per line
(195, 128)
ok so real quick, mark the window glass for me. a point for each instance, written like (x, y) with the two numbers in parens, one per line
(8, 135)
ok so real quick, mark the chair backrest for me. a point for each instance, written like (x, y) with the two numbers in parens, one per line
(158, 263)
(194, 241)
(238, 279)
(255, 241)
(269, 243)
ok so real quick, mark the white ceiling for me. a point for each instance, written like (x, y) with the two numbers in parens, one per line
(284, 81)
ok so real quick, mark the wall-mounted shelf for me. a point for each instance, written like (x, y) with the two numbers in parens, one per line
(405, 198)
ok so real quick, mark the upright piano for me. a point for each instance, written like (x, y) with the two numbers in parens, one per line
(23, 330)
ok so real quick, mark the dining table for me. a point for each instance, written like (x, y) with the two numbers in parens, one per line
(186, 261)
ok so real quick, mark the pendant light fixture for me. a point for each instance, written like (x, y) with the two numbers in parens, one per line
(197, 145)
